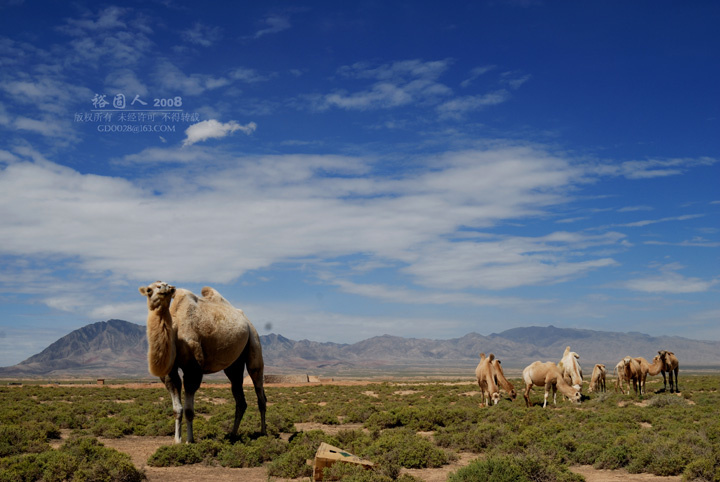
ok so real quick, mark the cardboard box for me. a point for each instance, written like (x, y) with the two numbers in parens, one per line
(327, 455)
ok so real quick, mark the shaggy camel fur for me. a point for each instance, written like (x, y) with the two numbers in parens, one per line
(486, 379)
(500, 379)
(597, 382)
(570, 368)
(548, 375)
(200, 336)
(671, 365)
(632, 372)
(647, 368)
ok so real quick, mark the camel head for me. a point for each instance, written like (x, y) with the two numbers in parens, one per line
(158, 294)
(495, 398)
(576, 397)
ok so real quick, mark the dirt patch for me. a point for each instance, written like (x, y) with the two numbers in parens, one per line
(329, 429)
(595, 475)
(441, 474)
(405, 392)
(371, 394)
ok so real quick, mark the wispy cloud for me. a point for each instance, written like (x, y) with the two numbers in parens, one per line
(670, 283)
(203, 35)
(273, 24)
(396, 84)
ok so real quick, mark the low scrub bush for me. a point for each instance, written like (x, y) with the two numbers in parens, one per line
(82, 459)
(506, 468)
(408, 449)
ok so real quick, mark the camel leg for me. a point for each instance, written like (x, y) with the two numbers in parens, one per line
(174, 386)
(235, 374)
(673, 381)
(526, 394)
(664, 381)
(256, 370)
(192, 380)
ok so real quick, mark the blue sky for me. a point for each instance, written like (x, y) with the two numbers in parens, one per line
(341, 171)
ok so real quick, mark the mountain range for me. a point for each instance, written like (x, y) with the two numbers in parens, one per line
(118, 349)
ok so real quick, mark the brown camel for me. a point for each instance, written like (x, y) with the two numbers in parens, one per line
(597, 381)
(631, 372)
(548, 375)
(486, 380)
(500, 379)
(647, 368)
(200, 336)
(620, 371)
(671, 365)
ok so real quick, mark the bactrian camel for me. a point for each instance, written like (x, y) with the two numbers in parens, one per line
(672, 366)
(647, 368)
(631, 372)
(486, 380)
(548, 375)
(201, 335)
(500, 379)
(570, 368)
(620, 371)
(597, 381)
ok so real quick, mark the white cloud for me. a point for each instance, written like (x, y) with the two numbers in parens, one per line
(273, 209)
(396, 84)
(274, 24)
(652, 168)
(459, 106)
(476, 73)
(671, 283)
(212, 129)
(203, 35)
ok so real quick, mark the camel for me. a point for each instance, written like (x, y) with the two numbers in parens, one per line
(500, 379)
(200, 336)
(632, 372)
(548, 375)
(486, 379)
(597, 382)
(620, 371)
(671, 365)
(647, 368)
(570, 368)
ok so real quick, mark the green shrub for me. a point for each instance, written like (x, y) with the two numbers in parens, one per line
(184, 454)
(408, 449)
(513, 469)
(252, 454)
(80, 459)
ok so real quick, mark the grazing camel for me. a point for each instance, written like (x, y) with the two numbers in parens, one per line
(501, 380)
(647, 368)
(632, 372)
(200, 336)
(548, 375)
(671, 365)
(597, 382)
(486, 379)
(570, 368)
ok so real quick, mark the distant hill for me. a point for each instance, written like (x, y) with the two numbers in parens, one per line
(118, 349)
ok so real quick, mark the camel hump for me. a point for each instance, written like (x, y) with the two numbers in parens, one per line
(211, 294)
(482, 355)
(491, 357)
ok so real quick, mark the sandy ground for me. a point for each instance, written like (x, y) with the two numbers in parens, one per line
(141, 448)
